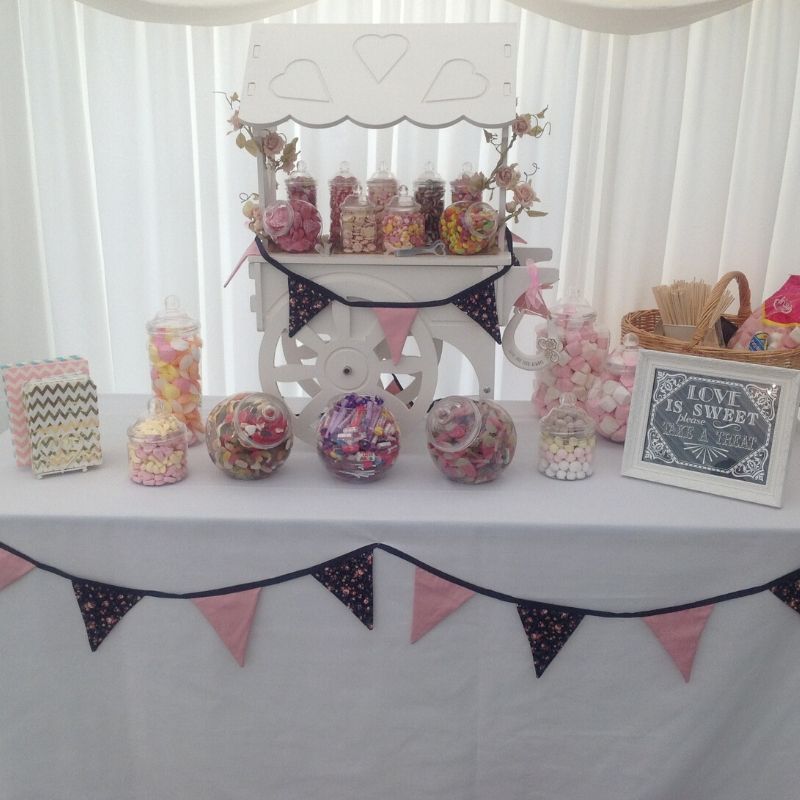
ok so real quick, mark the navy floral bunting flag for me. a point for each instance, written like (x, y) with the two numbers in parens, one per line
(351, 581)
(547, 631)
(305, 302)
(102, 607)
(789, 593)
(481, 306)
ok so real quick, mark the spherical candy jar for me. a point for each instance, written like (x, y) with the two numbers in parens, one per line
(301, 185)
(468, 228)
(249, 435)
(294, 226)
(429, 193)
(359, 225)
(358, 438)
(609, 400)
(157, 445)
(567, 442)
(462, 187)
(403, 224)
(470, 441)
(341, 187)
(174, 349)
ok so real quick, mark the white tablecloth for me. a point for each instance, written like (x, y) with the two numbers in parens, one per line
(325, 708)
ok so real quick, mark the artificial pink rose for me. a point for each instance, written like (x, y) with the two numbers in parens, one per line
(521, 124)
(506, 177)
(234, 121)
(524, 195)
(273, 143)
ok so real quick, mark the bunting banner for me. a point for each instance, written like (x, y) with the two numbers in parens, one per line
(396, 324)
(230, 610)
(306, 300)
(480, 305)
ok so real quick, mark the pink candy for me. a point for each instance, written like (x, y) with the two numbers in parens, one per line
(294, 226)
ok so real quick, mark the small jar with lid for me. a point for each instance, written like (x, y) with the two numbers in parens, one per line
(359, 225)
(357, 438)
(249, 435)
(609, 400)
(301, 185)
(294, 225)
(462, 187)
(403, 224)
(470, 441)
(567, 442)
(174, 348)
(429, 193)
(157, 445)
(341, 185)
(581, 348)
(468, 228)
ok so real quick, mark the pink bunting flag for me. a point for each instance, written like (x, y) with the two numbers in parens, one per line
(679, 634)
(396, 323)
(434, 600)
(231, 616)
(252, 250)
(12, 568)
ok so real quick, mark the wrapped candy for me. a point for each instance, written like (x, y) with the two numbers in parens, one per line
(293, 225)
(567, 442)
(301, 185)
(470, 441)
(341, 187)
(468, 228)
(429, 193)
(775, 325)
(403, 224)
(157, 445)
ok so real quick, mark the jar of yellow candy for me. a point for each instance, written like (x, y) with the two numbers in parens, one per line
(468, 228)
(157, 444)
(403, 223)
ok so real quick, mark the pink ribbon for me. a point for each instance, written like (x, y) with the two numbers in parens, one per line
(531, 299)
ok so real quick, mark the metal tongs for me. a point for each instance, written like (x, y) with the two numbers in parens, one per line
(437, 248)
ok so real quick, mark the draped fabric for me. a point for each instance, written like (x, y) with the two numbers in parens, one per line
(672, 154)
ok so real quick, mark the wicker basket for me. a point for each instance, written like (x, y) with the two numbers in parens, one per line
(645, 323)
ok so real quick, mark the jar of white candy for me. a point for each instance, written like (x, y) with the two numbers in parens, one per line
(609, 400)
(157, 444)
(582, 348)
(567, 442)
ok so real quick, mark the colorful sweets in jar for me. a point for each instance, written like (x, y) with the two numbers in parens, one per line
(567, 442)
(341, 185)
(429, 193)
(293, 225)
(358, 438)
(403, 224)
(468, 228)
(609, 400)
(301, 185)
(174, 348)
(359, 225)
(157, 446)
(470, 441)
(381, 188)
(463, 188)
(581, 358)
(249, 435)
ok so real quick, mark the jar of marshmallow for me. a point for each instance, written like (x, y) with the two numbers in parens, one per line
(567, 442)
(581, 357)
(609, 400)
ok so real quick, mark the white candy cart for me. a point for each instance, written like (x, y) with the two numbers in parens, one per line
(376, 76)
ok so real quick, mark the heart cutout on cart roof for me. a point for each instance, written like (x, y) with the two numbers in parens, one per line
(301, 80)
(380, 54)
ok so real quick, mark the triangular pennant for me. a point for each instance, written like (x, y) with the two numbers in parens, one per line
(351, 581)
(12, 568)
(434, 600)
(547, 631)
(305, 302)
(679, 634)
(481, 305)
(102, 607)
(231, 616)
(396, 323)
(789, 593)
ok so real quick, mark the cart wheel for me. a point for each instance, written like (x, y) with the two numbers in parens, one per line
(343, 349)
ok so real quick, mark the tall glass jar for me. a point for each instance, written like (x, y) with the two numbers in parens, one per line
(567, 442)
(381, 188)
(359, 225)
(301, 185)
(462, 188)
(468, 228)
(429, 193)
(341, 185)
(403, 223)
(174, 347)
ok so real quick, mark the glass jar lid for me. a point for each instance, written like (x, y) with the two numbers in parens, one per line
(158, 424)
(383, 173)
(481, 219)
(300, 174)
(467, 171)
(278, 218)
(172, 319)
(625, 356)
(573, 310)
(344, 175)
(453, 423)
(403, 202)
(358, 201)
(262, 421)
(567, 419)
(429, 175)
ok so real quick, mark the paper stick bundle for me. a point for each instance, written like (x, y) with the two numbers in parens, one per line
(682, 302)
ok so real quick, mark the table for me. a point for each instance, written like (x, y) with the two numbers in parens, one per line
(325, 708)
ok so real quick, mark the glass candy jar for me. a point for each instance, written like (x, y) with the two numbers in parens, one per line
(429, 193)
(403, 224)
(249, 435)
(359, 225)
(567, 442)
(294, 226)
(581, 351)
(470, 441)
(341, 186)
(174, 348)
(609, 400)
(462, 188)
(157, 445)
(358, 438)
(468, 228)
(381, 188)
(301, 185)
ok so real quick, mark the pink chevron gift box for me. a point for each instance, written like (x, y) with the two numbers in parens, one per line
(15, 376)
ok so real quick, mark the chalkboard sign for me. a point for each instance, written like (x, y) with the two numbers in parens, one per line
(716, 426)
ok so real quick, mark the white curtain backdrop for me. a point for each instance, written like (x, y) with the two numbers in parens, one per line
(672, 154)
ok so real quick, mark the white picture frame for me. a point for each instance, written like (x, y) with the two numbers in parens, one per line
(722, 427)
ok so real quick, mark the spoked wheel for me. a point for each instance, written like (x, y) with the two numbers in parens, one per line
(342, 350)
